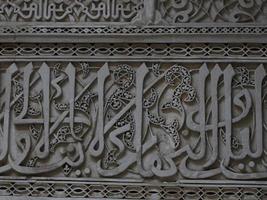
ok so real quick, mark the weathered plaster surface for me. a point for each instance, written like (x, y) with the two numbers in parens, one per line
(153, 99)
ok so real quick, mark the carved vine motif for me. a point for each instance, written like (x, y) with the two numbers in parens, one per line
(213, 10)
(148, 121)
(137, 12)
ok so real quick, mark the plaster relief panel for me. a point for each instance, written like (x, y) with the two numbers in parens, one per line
(133, 99)
(136, 12)
(70, 11)
(139, 121)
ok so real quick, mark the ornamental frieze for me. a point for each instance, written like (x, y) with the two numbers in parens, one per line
(135, 121)
(135, 12)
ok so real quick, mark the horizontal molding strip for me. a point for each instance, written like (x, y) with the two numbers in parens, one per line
(150, 34)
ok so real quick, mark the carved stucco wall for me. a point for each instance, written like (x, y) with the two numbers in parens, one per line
(132, 99)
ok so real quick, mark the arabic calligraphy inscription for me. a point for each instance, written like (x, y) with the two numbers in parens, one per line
(134, 121)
